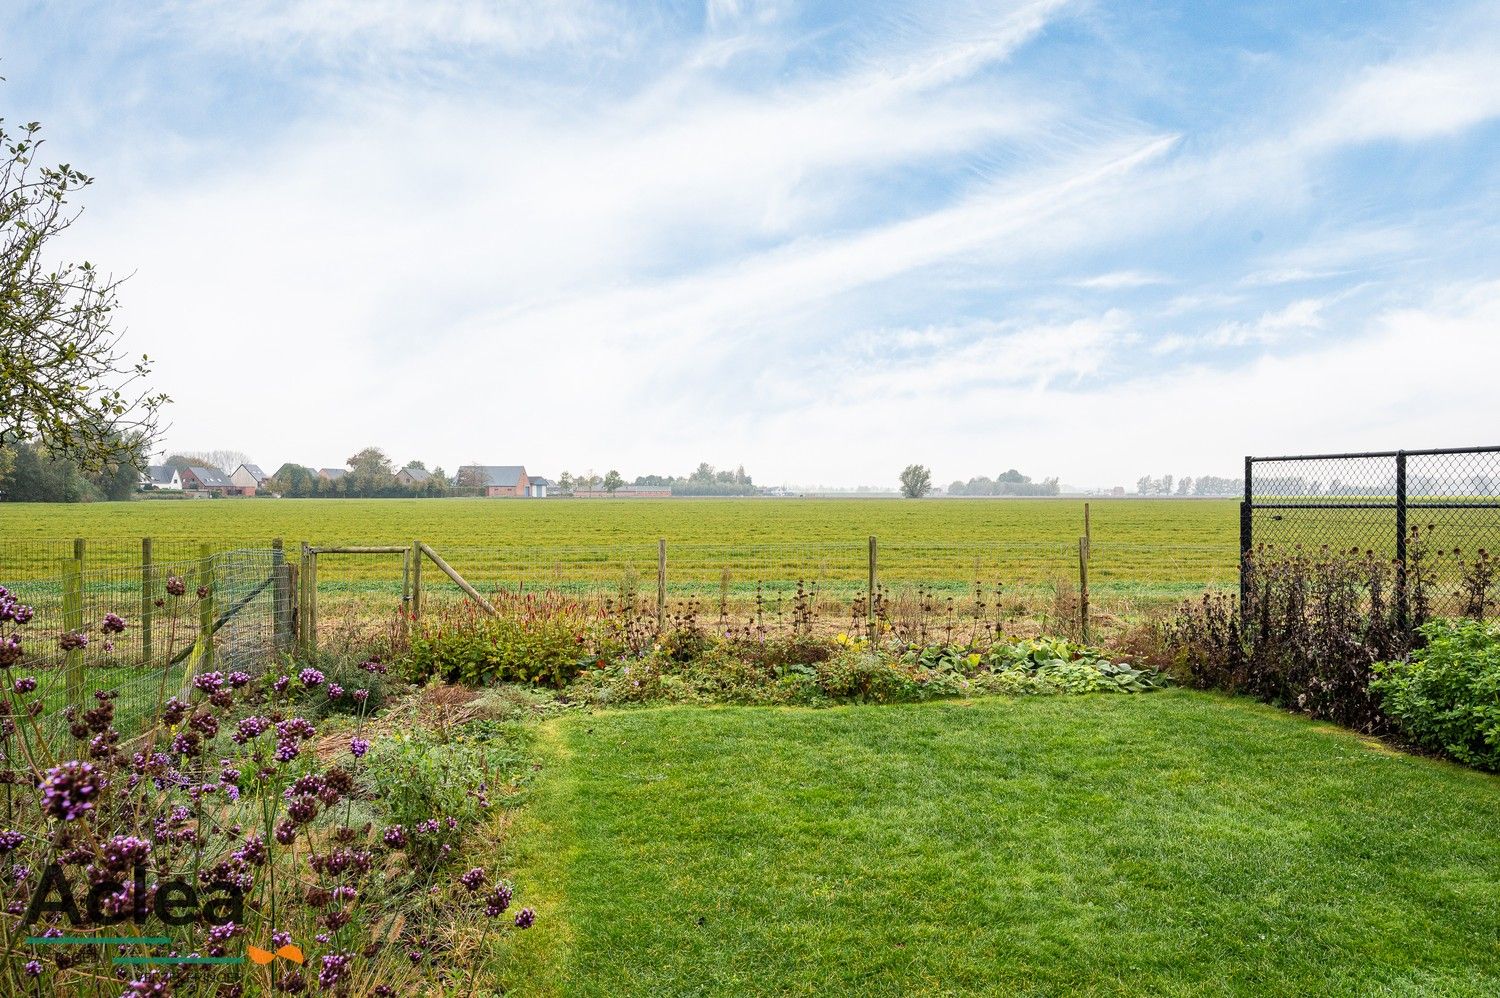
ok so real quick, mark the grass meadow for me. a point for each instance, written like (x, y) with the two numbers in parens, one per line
(1174, 844)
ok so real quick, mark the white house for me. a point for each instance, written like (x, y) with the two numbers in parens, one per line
(536, 488)
(161, 477)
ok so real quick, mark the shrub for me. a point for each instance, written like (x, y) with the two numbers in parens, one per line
(1308, 639)
(544, 647)
(1446, 695)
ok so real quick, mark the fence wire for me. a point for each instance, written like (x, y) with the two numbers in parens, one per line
(132, 630)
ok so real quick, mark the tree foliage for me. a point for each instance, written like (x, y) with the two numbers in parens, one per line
(63, 379)
(916, 481)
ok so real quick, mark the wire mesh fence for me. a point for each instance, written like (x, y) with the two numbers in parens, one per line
(133, 631)
(1432, 512)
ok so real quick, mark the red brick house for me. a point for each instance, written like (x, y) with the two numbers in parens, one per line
(497, 480)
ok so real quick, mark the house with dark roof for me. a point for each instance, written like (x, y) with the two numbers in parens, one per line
(332, 474)
(162, 478)
(413, 476)
(248, 478)
(496, 479)
(209, 480)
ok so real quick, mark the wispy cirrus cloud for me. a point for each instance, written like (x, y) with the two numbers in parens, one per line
(735, 228)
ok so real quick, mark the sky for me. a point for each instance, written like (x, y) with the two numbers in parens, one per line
(821, 240)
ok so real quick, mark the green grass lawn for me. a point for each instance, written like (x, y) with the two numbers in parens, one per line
(1176, 843)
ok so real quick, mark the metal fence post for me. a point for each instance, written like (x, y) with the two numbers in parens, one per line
(1247, 539)
(281, 597)
(870, 607)
(310, 581)
(148, 601)
(1402, 604)
(661, 585)
(206, 607)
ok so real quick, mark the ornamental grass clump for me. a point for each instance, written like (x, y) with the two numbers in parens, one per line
(219, 829)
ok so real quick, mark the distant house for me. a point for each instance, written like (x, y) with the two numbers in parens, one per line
(413, 476)
(209, 480)
(496, 479)
(536, 488)
(626, 492)
(162, 477)
(332, 474)
(247, 478)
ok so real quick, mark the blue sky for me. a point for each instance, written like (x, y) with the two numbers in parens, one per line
(824, 240)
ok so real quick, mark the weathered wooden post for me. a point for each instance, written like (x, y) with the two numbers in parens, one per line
(72, 607)
(871, 621)
(148, 601)
(416, 580)
(1083, 587)
(661, 584)
(206, 608)
(1088, 535)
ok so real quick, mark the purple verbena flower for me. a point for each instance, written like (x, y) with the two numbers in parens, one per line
(358, 746)
(310, 677)
(70, 790)
(525, 918)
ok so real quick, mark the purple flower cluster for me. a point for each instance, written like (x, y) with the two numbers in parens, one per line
(123, 851)
(335, 968)
(24, 685)
(358, 746)
(69, 791)
(395, 837)
(10, 840)
(13, 610)
(473, 879)
(175, 585)
(73, 641)
(525, 918)
(113, 623)
(310, 677)
(498, 901)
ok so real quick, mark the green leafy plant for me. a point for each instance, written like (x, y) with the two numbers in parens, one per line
(1446, 695)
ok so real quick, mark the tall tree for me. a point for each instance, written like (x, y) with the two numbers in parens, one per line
(63, 377)
(612, 481)
(916, 481)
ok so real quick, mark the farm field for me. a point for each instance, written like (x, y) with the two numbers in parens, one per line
(1165, 543)
(1177, 843)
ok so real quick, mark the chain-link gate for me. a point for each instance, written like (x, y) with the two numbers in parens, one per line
(1433, 511)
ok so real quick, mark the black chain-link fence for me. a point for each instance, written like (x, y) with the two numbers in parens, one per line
(1434, 514)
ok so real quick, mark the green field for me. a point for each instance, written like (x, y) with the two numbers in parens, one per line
(1177, 843)
(1164, 543)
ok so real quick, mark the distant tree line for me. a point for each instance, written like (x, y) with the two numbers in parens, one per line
(1007, 483)
(30, 471)
(705, 480)
(371, 475)
(1203, 485)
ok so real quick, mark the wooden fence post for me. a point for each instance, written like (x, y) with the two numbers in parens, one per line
(206, 607)
(72, 607)
(1083, 587)
(661, 584)
(148, 601)
(416, 580)
(870, 614)
(281, 597)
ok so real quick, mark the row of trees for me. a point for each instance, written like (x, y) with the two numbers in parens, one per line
(705, 480)
(34, 472)
(371, 475)
(1007, 483)
(1203, 485)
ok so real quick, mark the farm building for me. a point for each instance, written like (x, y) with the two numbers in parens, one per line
(536, 488)
(497, 479)
(413, 476)
(248, 478)
(626, 492)
(162, 477)
(209, 480)
(332, 474)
